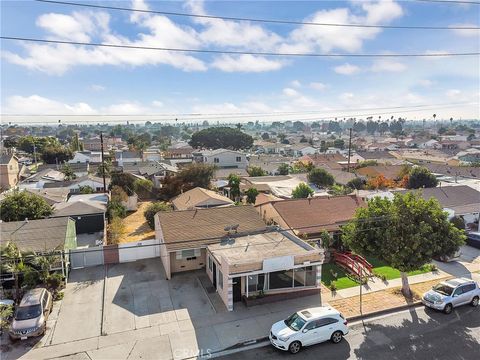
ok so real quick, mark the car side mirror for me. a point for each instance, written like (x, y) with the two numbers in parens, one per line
(305, 330)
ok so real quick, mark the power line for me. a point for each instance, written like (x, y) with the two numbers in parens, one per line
(235, 52)
(273, 113)
(272, 21)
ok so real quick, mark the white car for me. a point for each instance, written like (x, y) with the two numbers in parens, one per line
(452, 293)
(308, 327)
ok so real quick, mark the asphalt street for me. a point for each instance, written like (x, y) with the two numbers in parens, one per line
(414, 334)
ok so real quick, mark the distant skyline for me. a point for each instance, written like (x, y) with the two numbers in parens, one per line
(52, 79)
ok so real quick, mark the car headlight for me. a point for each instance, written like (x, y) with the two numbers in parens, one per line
(438, 302)
(284, 339)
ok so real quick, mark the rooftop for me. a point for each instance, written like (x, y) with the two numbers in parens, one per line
(200, 198)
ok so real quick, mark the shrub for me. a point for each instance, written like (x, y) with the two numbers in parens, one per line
(302, 191)
(332, 287)
(251, 195)
(116, 230)
(116, 209)
(54, 281)
(320, 177)
(152, 209)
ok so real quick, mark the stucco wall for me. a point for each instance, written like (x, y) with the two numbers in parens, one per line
(179, 265)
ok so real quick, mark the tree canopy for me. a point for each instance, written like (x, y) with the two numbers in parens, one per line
(193, 175)
(252, 194)
(283, 169)
(53, 154)
(320, 177)
(234, 184)
(256, 171)
(221, 137)
(152, 209)
(21, 205)
(302, 191)
(421, 177)
(124, 180)
(406, 232)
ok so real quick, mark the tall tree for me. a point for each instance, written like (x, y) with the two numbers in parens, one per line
(252, 194)
(421, 177)
(56, 154)
(124, 180)
(234, 184)
(221, 137)
(21, 205)
(406, 233)
(320, 177)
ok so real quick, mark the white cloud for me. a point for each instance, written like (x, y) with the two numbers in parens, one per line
(246, 63)
(453, 93)
(36, 104)
(318, 86)
(125, 108)
(290, 92)
(346, 69)
(346, 97)
(97, 87)
(388, 65)
(157, 103)
(425, 83)
(466, 32)
(296, 83)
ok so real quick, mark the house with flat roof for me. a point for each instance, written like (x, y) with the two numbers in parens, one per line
(185, 234)
(263, 264)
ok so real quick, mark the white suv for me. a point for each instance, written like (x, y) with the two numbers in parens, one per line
(452, 293)
(308, 327)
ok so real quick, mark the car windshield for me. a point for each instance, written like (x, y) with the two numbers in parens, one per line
(28, 312)
(295, 322)
(443, 289)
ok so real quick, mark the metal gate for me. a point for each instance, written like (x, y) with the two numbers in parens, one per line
(80, 258)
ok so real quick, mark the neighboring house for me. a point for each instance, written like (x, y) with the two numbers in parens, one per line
(89, 215)
(42, 178)
(310, 217)
(332, 161)
(280, 186)
(454, 173)
(462, 200)
(297, 150)
(51, 196)
(42, 236)
(184, 152)
(186, 234)
(122, 157)
(200, 198)
(79, 169)
(153, 155)
(95, 182)
(81, 157)
(380, 157)
(9, 171)
(222, 158)
(469, 156)
(152, 170)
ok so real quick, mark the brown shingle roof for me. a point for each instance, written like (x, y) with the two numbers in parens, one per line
(206, 226)
(200, 198)
(310, 216)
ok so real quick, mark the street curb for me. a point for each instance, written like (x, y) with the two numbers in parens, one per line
(263, 341)
(105, 277)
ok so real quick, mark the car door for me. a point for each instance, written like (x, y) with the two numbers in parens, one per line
(326, 328)
(467, 293)
(309, 333)
(457, 298)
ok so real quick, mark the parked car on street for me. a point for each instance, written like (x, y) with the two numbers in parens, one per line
(452, 293)
(31, 315)
(308, 327)
(473, 239)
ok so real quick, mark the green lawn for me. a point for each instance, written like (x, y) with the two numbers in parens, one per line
(342, 281)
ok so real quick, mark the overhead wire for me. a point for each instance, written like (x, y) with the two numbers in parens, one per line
(272, 21)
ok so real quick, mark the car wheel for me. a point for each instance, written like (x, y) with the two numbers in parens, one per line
(448, 309)
(336, 337)
(295, 347)
(474, 302)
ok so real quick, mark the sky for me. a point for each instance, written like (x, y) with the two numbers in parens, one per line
(80, 83)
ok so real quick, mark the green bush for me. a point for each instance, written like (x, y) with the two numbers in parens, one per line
(152, 209)
(54, 281)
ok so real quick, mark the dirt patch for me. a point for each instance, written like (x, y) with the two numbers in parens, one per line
(136, 227)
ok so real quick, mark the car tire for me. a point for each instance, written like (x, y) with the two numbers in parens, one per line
(295, 347)
(448, 309)
(336, 337)
(474, 301)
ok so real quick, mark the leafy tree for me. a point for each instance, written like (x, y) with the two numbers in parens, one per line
(86, 189)
(380, 182)
(283, 169)
(143, 188)
(339, 143)
(265, 136)
(357, 183)
(116, 230)
(421, 177)
(256, 171)
(56, 154)
(221, 137)
(320, 177)
(325, 239)
(105, 167)
(154, 208)
(251, 195)
(10, 142)
(21, 205)
(234, 184)
(298, 126)
(365, 163)
(302, 191)
(124, 180)
(116, 209)
(303, 139)
(458, 222)
(406, 233)
(68, 172)
(118, 194)
(196, 175)
(338, 190)
(30, 144)
(13, 262)
(6, 312)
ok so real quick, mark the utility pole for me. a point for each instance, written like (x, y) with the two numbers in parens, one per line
(349, 149)
(103, 164)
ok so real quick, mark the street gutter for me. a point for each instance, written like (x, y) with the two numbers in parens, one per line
(264, 341)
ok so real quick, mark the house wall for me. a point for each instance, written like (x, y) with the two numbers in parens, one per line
(97, 186)
(228, 159)
(164, 254)
(268, 214)
(9, 174)
(180, 265)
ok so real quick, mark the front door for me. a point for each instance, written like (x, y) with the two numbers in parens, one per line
(237, 289)
(214, 275)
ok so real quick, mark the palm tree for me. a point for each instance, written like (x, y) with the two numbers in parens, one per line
(13, 263)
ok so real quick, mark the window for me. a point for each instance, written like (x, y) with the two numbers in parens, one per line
(306, 276)
(326, 321)
(281, 279)
(220, 279)
(216, 160)
(210, 265)
(190, 254)
(311, 325)
(239, 158)
(468, 288)
(256, 282)
(457, 292)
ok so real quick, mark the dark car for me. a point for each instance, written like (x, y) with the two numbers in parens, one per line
(473, 239)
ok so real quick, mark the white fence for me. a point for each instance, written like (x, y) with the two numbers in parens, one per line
(138, 250)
